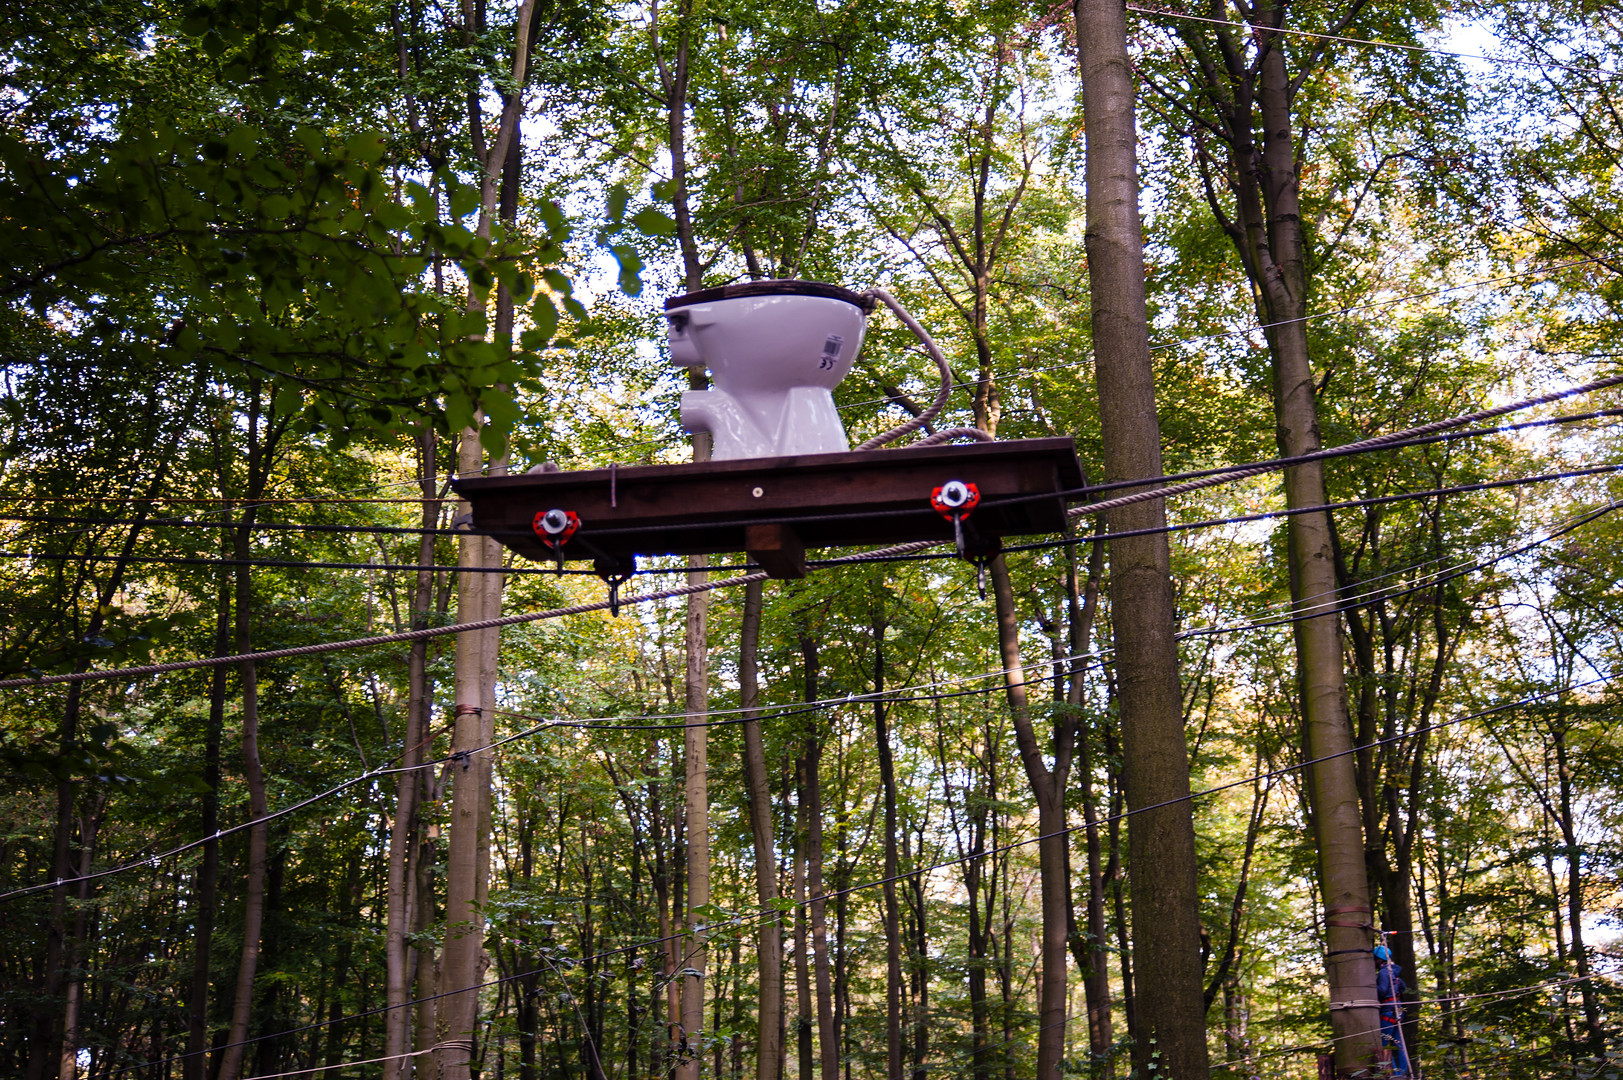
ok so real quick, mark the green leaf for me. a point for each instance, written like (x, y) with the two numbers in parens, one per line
(652, 222)
(543, 323)
(618, 196)
(631, 265)
(287, 401)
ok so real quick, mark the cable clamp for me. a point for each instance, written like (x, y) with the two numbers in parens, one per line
(1356, 1003)
(614, 573)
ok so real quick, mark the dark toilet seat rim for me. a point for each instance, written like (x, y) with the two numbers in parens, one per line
(772, 287)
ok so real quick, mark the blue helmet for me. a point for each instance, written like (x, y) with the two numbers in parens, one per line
(1382, 954)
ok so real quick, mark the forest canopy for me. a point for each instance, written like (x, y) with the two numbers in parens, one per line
(273, 273)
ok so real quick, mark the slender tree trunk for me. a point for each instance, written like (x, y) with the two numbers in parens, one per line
(1596, 1035)
(769, 932)
(89, 825)
(812, 793)
(1053, 842)
(398, 960)
(887, 783)
(696, 793)
(804, 1025)
(424, 910)
(205, 895)
(1088, 947)
(253, 773)
(1171, 1027)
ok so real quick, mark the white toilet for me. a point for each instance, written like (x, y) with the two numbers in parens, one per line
(775, 350)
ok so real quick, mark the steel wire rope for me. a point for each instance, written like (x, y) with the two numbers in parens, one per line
(1212, 477)
(892, 553)
(1343, 504)
(890, 697)
(1352, 309)
(1433, 431)
(1375, 42)
(450, 1044)
(1203, 523)
(743, 919)
(1242, 472)
(301, 564)
(604, 723)
(418, 530)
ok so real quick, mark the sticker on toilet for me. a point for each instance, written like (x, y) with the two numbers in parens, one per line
(831, 351)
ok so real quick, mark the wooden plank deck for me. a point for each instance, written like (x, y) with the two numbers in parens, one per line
(774, 508)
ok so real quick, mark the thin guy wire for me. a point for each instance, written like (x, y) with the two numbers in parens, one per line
(1255, 28)
(757, 916)
(1242, 472)
(417, 530)
(780, 712)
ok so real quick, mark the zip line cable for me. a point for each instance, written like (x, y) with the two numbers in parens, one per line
(418, 530)
(772, 713)
(298, 564)
(1203, 523)
(1240, 472)
(759, 915)
(1378, 442)
(769, 713)
(893, 697)
(1260, 29)
(1345, 504)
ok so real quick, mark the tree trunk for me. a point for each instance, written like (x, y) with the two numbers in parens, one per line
(812, 794)
(89, 825)
(769, 932)
(259, 452)
(205, 895)
(462, 961)
(1053, 842)
(470, 773)
(1573, 853)
(403, 829)
(887, 783)
(1171, 1028)
(696, 793)
(803, 1004)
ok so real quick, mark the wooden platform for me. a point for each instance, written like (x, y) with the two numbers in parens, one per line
(774, 508)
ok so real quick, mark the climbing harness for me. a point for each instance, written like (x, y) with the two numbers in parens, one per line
(555, 527)
(1391, 1006)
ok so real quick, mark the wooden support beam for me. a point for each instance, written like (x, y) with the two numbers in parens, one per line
(821, 500)
(777, 549)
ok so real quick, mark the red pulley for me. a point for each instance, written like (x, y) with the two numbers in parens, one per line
(955, 499)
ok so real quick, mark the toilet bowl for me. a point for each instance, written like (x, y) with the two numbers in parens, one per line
(775, 350)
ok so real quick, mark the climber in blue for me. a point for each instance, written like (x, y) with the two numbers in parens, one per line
(1389, 988)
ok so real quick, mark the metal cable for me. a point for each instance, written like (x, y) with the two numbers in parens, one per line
(755, 916)
(1376, 443)
(894, 551)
